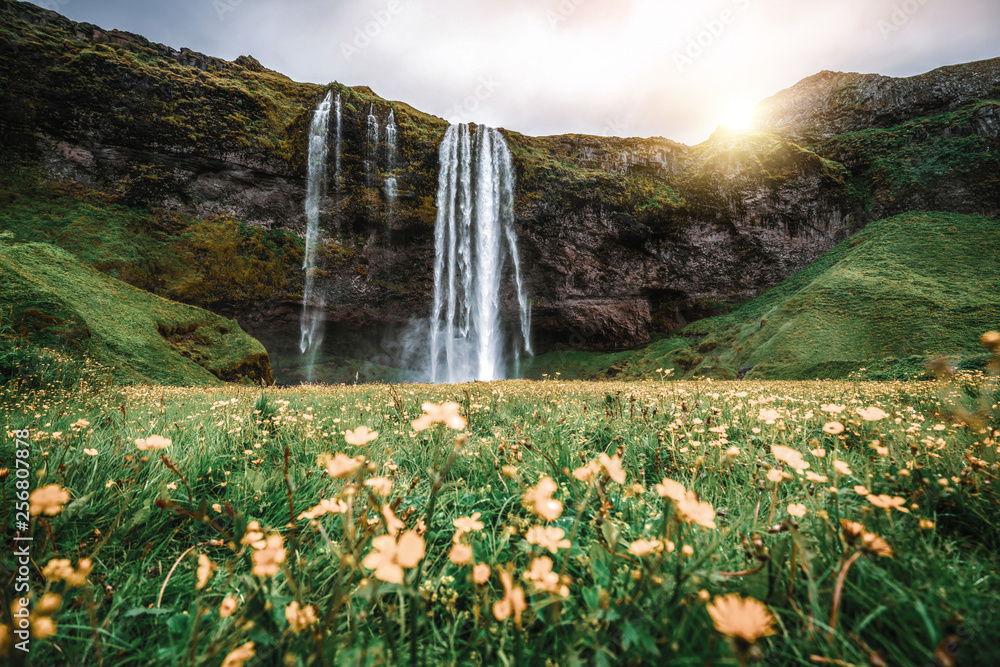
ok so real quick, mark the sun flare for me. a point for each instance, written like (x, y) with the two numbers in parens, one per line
(738, 116)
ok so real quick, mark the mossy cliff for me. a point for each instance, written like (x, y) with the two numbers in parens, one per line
(620, 238)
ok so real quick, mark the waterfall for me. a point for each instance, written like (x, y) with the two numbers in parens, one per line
(473, 237)
(372, 146)
(336, 154)
(390, 152)
(310, 325)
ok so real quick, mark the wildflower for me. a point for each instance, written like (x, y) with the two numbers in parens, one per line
(687, 550)
(645, 547)
(239, 656)
(481, 573)
(861, 491)
(539, 499)
(227, 607)
(789, 456)
(990, 340)
(392, 524)
(62, 570)
(548, 537)
(584, 473)
(775, 475)
(832, 408)
(467, 524)
(48, 604)
(460, 554)
(446, 413)
(544, 579)
(267, 557)
(42, 627)
(842, 467)
(342, 466)
(888, 502)
(381, 485)
(668, 488)
(47, 500)
(512, 601)
(833, 428)
(613, 466)
(819, 452)
(873, 545)
(797, 509)
(813, 477)
(768, 415)
(872, 414)
(744, 619)
(693, 510)
(252, 534)
(926, 524)
(390, 555)
(206, 568)
(360, 436)
(80, 423)
(334, 506)
(153, 442)
(90, 451)
(300, 618)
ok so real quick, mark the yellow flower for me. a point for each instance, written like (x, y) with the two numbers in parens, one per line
(460, 554)
(539, 499)
(42, 627)
(252, 534)
(789, 456)
(744, 619)
(874, 545)
(512, 601)
(48, 604)
(334, 506)
(888, 502)
(693, 510)
(861, 491)
(768, 415)
(153, 442)
(269, 556)
(467, 524)
(205, 570)
(926, 524)
(872, 414)
(90, 452)
(481, 573)
(446, 413)
(668, 488)
(584, 473)
(239, 656)
(842, 467)
(300, 618)
(227, 607)
(813, 477)
(342, 466)
(62, 570)
(832, 408)
(644, 547)
(797, 509)
(392, 524)
(544, 579)
(548, 537)
(47, 500)
(819, 452)
(833, 428)
(360, 436)
(390, 555)
(775, 475)
(381, 485)
(613, 466)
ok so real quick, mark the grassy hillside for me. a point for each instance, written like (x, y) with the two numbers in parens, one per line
(50, 300)
(882, 303)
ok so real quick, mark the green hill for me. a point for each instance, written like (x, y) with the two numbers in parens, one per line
(50, 300)
(886, 300)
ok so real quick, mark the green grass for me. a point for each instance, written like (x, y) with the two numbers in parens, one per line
(50, 300)
(910, 287)
(242, 454)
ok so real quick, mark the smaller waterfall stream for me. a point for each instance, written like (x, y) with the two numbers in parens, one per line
(371, 140)
(390, 156)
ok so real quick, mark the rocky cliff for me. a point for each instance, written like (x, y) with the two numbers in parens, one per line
(620, 238)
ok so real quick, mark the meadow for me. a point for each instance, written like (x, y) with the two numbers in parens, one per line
(509, 523)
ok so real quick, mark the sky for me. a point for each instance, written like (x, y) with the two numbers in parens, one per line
(671, 68)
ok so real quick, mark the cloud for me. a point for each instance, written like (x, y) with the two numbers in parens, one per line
(636, 67)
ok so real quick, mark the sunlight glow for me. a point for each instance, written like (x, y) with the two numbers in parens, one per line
(738, 116)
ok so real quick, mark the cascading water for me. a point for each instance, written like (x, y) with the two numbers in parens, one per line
(371, 164)
(336, 150)
(390, 152)
(312, 308)
(473, 236)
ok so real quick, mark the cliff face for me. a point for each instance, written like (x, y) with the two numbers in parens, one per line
(619, 237)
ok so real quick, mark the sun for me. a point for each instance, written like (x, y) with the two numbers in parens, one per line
(737, 116)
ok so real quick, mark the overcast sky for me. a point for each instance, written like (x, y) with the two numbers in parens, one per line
(672, 68)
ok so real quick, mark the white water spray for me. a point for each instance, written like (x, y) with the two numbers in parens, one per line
(473, 236)
(310, 325)
(371, 164)
(390, 152)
